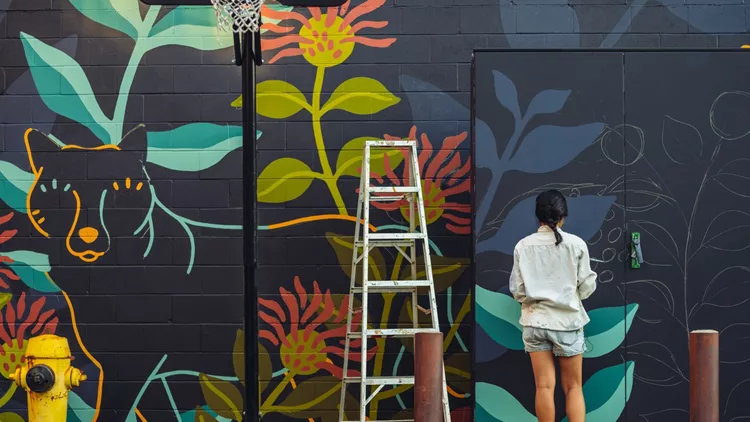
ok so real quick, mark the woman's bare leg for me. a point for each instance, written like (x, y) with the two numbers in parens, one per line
(544, 377)
(570, 374)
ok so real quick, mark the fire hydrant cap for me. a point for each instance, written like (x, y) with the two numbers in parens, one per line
(48, 346)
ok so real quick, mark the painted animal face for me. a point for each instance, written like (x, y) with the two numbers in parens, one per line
(87, 196)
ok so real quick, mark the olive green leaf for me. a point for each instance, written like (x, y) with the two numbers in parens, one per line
(317, 398)
(284, 180)
(279, 100)
(349, 161)
(343, 246)
(361, 96)
(265, 370)
(202, 416)
(222, 397)
(4, 299)
(238, 356)
(445, 270)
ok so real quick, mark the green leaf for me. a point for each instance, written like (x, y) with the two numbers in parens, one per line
(343, 247)
(349, 161)
(279, 100)
(607, 329)
(4, 299)
(122, 15)
(10, 417)
(189, 416)
(78, 410)
(445, 270)
(190, 26)
(361, 96)
(607, 392)
(498, 315)
(32, 267)
(494, 403)
(64, 87)
(222, 397)
(14, 186)
(265, 368)
(238, 356)
(203, 416)
(284, 180)
(316, 397)
(193, 147)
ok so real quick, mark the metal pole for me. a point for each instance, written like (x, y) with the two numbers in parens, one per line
(704, 376)
(252, 393)
(428, 377)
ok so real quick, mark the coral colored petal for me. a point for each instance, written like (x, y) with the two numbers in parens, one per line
(366, 24)
(364, 8)
(301, 292)
(370, 42)
(10, 274)
(459, 188)
(455, 206)
(460, 173)
(5, 259)
(449, 168)
(274, 43)
(331, 15)
(456, 219)
(333, 369)
(277, 29)
(10, 316)
(293, 307)
(41, 320)
(314, 13)
(343, 309)
(3, 334)
(268, 336)
(288, 52)
(458, 229)
(276, 326)
(275, 307)
(345, 7)
(4, 219)
(6, 235)
(314, 305)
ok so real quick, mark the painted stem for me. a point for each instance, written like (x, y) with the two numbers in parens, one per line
(8, 394)
(317, 115)
(277, 391)
(128, 77)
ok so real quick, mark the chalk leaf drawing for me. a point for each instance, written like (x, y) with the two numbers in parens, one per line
(734, 176)
(587, 213)
(543, 149)
(64, 87)
(194, 146)
(222, 396)
(360, 95)
(607, 329)
(681, 141)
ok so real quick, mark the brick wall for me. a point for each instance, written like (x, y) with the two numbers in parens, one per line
(141, 318)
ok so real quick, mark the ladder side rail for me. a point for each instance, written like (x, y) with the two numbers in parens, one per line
(365, 271)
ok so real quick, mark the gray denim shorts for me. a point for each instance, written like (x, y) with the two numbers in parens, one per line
(562, 343)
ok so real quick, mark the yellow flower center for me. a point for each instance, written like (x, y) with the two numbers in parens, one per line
(326, 48)
(303, 356)
(432, 209)
(11, 357)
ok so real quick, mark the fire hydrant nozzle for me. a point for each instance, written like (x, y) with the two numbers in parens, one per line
(47, 377)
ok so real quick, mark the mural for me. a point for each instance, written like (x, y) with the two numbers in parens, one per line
(625, 175)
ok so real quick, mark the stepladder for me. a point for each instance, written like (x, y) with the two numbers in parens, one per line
(365, 283)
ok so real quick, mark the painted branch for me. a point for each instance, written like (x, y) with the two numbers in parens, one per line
(704, 376)
(428, 377)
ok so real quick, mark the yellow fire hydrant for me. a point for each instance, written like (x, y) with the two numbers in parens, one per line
(47, 377)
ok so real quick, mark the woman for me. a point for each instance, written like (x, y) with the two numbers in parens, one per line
(551, 276)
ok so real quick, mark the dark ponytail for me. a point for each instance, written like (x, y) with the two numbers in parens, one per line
(551, 208)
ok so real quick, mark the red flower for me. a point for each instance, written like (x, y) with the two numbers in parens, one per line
(325, 39)
(304, 350)
(13, 336)
(442, 175)
(5, 236)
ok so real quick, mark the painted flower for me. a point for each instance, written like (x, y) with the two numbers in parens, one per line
(6, 235)
(303, 349)
(15, 328)
(443, 176)
(324, 39)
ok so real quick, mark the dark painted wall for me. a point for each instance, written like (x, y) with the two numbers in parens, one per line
(636, 149)
(124, 64)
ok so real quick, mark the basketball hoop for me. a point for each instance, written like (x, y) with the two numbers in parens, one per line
(238, 16)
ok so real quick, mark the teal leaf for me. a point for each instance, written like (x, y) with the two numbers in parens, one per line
(495, 404)
(548, 148)
(189, 416)
(190, 26)
(607, 329)
(64, 87)
(607, 391)
(32, 267)
(193, 147)
(122, 15)
(79, 410)
(547, 102)
(14, 186)
(498, 315)
(507, 94)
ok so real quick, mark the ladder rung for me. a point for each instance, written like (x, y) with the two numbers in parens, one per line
(394, 285)
(395, 236)
(385, 243)
(382, 380)
(393, 189)
(386, 198)
(392, 332)
(383, 143)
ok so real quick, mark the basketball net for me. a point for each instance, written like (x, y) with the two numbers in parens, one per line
(238, 16)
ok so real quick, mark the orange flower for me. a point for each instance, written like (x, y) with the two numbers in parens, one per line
(13, 349)
(325, 39)
(5, 236)
(303, 349)
(442, 175)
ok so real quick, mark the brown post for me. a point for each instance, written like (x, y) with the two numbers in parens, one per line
(704, 376)
(428, 377)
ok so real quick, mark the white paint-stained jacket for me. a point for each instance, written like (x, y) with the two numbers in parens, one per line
(551, 281)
